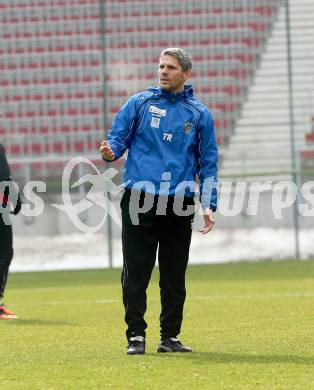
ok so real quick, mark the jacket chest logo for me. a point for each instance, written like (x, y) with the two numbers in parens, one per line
(187, 127)
(158, 111)
(155, 122)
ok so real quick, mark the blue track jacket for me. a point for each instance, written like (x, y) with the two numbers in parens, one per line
(170, 139)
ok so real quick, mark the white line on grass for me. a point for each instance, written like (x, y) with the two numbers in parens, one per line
(191, 298)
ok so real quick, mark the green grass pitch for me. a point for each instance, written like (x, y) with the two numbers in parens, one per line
(250, 325)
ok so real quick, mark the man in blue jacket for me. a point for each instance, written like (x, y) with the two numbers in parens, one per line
(170, 138)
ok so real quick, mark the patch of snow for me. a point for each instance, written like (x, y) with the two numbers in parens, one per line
(83, 251)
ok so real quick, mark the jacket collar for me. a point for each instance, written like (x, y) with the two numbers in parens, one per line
(187, 93)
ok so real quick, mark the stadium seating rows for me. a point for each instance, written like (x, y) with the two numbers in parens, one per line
(51, 75)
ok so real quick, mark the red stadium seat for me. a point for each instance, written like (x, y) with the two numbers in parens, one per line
(307, 154)
(36, 148)
(309, 137)
(15, 149)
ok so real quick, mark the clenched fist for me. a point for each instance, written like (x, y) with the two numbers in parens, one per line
(106, 151)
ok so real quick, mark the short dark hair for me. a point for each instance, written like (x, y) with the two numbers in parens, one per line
(184, 58)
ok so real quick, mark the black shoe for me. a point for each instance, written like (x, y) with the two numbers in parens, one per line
(172, 345)
(136, 345)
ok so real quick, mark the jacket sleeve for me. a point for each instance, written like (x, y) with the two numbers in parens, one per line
(121, 132)
(207, 161)
(4, 166)
(10, 196)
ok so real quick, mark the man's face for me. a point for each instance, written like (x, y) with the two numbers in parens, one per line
(171, 75)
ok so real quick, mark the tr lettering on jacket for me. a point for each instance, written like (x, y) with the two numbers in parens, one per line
(167, 137)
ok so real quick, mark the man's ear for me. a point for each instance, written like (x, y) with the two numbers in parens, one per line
(188, 74)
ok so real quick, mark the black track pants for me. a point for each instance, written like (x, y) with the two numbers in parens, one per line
(171, 234)
(6, 253)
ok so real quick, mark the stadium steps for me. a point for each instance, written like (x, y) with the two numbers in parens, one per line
(261, 140)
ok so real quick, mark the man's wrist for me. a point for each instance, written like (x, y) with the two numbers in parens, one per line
(208, 208)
